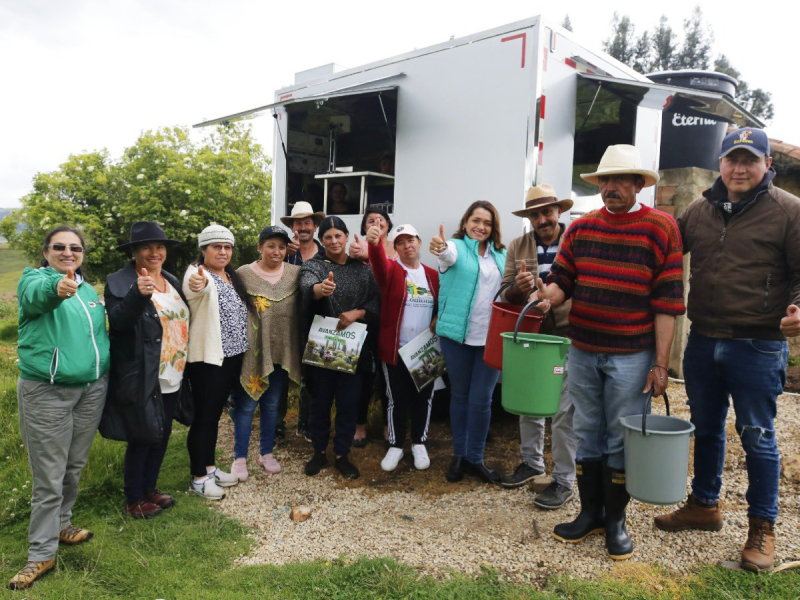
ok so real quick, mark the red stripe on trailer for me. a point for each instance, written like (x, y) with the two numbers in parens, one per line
(524, 37)
(570, 63)
(669, 100)
(541, 107)
(541, 151)
(284, 97)
(590, 72)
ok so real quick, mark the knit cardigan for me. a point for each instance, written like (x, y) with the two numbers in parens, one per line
(272, 328)
(391, 278)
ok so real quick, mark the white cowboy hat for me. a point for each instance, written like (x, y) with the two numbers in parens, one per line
(302, 210)
(622, 159)
(539, 196)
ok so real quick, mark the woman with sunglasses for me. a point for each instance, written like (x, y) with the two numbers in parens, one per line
(149, 326)
(63, 361)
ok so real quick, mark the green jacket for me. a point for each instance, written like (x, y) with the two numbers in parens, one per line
(61, 341)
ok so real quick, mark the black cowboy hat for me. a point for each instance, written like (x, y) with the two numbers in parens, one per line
(143, 232)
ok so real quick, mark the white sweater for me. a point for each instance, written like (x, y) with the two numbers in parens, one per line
(205, 332)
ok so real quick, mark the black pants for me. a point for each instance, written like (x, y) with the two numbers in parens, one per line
(211, 386)
(143, 462)
(369, 384)
(403, 397)
(324, 386)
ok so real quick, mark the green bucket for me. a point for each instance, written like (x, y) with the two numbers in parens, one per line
(533, 371)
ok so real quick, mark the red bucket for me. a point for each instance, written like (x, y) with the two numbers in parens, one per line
(504, 319)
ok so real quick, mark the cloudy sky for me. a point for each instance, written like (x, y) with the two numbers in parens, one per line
(81, 75)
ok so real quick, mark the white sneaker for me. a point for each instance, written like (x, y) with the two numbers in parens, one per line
(207, 488)
(239, 468)
(421, 460)
(223, 479)
(392, 459)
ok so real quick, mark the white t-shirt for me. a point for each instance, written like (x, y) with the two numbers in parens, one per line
(419, 305)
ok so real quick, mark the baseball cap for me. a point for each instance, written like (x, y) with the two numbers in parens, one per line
(749, 138)
(272, 231)
(402, 230)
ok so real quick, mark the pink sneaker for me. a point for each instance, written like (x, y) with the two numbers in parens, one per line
(239, 468)
(269, 463)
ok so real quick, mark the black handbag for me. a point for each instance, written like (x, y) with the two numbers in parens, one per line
(184, 411)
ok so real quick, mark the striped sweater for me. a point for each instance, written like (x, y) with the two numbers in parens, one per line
(620, 270)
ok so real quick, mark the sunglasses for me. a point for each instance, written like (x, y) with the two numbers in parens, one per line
(63, 247)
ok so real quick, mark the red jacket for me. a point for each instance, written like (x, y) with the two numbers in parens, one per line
(391, 278)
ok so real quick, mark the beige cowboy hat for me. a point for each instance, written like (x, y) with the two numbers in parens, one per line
(302, 210)
(622, 159)
(539, 196)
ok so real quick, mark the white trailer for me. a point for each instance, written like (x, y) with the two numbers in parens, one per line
(481, 117)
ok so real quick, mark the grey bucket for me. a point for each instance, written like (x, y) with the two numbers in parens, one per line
(656, 456)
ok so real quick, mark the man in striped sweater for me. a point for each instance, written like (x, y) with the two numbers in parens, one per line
(622, 266)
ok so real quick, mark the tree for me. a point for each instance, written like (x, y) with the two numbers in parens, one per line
(622, 41)
(696, 50)
(567, 24)
(663, 40)
(641, 59)
(164, 177)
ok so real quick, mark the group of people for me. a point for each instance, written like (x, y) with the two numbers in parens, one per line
(612, 282)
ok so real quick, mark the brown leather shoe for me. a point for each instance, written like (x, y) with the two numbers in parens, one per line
(142, 509)
(72, 536)
(156, 497)
(759, 550)
(30, 573)
(691, 516)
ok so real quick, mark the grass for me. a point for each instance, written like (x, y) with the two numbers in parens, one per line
(190, 551)
(12, 263)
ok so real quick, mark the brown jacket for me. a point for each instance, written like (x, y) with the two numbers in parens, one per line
(556, 322)
(745, 274)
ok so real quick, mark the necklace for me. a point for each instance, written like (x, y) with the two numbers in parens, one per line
(166, 287)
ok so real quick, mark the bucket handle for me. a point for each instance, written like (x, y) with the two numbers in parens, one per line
(647, 405)
(528, 306)
(502, 289)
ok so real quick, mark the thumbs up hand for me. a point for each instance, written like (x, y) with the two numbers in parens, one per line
(67, 286)
(145, 283)
(790, 324)
(374, 235)
(438, 242)
(326, 288)
(540, 294)
(356, 249)
(524, 279)
(293, 246)
(198, 281)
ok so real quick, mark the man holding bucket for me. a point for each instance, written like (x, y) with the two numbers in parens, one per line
(529, 255)
(744, 239)
(622, 266)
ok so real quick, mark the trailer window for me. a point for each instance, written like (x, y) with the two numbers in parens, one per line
(354, 134)
(602, 118)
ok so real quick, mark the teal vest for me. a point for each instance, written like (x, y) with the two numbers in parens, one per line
(458, 287)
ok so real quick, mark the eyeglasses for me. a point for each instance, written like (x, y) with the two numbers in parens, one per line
(63, 247)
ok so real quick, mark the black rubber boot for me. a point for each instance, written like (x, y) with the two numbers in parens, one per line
(590, 519)
(618, 542)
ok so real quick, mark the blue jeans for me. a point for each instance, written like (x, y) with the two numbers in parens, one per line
(753, 372)
(245, 408)
(471, 385)
(604, 388)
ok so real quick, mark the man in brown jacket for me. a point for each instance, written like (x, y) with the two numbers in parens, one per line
(530, 256)
(744, 239)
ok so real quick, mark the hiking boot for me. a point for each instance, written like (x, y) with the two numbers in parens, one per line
(142, 509)
(759, 550)
(30, 573)
(156, 497)
(316, 464)
(72, 536)
(590, 519)
(554, 496)
(692, 515)
(346, 468)
(239, 468)
(522, 475)
(615, 499)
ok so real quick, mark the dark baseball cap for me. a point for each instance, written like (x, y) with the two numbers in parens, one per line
(272, 231)
(749, 138)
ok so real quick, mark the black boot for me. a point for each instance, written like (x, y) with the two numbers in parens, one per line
(618, 542)
(590, 519)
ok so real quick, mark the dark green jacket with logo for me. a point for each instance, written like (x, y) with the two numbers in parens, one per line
(61, 341)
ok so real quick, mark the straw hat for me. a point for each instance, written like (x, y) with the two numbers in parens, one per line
(622, 159)
(539, 196)
(302, 210)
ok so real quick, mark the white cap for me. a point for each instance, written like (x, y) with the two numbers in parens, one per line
(402, 230)
(215, 234)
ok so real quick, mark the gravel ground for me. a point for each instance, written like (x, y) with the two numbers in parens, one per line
(418, 518)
